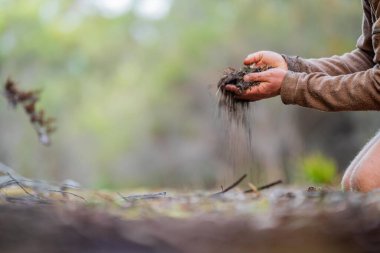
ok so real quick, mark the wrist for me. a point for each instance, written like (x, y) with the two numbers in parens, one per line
(288, 88)
(292, 63)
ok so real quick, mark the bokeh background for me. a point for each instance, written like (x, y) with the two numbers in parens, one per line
(131, 83)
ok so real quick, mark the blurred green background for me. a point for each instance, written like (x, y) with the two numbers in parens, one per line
(132, 85)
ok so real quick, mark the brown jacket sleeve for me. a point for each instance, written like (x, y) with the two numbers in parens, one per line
(340, 83)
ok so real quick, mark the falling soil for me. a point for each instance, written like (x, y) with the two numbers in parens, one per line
(234, 108)
(236, 117)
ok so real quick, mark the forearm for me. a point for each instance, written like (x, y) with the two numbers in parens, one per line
(355, 61)
(352, 92)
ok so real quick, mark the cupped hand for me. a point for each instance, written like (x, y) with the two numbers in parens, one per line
(266, 58)
(270, 85)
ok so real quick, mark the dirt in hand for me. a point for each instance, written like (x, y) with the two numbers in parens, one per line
(236, 77)
(232, 109)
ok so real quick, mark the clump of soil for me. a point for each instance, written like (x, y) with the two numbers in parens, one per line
(233, 109)
(236, 77)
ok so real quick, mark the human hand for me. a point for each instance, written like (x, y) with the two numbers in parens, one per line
(266, 58)
(270, 80)
(270, 85)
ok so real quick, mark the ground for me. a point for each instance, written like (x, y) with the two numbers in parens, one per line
(278, 219)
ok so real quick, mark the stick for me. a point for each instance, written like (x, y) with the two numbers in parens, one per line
(143, 196)
(26, 199)
(265, 186)
(253, 188)
(70, 193)
(8, 183)
(21, 186)
(231, 186)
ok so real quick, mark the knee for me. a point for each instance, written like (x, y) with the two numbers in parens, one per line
(363, 174)
(346, 186)
(363, 180)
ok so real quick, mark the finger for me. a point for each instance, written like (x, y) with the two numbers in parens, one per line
(254, 58)
(254, 93)
(247, 97)
(232, 88)
(257, 77)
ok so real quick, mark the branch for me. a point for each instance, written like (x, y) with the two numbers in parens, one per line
(70, 193)
(21, 186)
(143, 196)
(231, 186)
(43, 125)
(265, 186)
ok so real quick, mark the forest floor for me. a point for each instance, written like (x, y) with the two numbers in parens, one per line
(38, 217)
(279, 219)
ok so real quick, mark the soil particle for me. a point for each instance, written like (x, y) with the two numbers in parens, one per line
(234, 109)
(236, 117)
(236, 77)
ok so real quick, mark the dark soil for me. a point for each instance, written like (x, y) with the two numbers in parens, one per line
(236, 110)
(236, 77)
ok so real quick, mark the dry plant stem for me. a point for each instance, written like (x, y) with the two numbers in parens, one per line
(143, 196)
(231, 186)
(28, 100)
(253, 188)
(21, 182)
(21, 186)
(264, 187)
(8, 183)
(69, 193)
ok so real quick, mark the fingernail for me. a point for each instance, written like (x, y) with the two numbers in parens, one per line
(246, 78)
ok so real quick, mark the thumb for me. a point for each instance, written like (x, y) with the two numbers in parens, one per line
(254, 58)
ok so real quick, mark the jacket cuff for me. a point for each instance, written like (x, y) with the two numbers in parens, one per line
(294, 63)
(289, 88)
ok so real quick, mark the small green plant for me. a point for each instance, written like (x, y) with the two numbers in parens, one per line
(318, 169)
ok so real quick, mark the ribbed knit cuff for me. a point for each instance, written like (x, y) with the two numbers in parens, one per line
(289, 88)
(294, 63)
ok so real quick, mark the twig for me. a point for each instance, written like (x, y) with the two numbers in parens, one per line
(253, 188)
(21, 186)
(43, 125)
(8, 183)
(265, 186)
(27, 200)
(231, 186)
(143, 196)
(70, 193)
